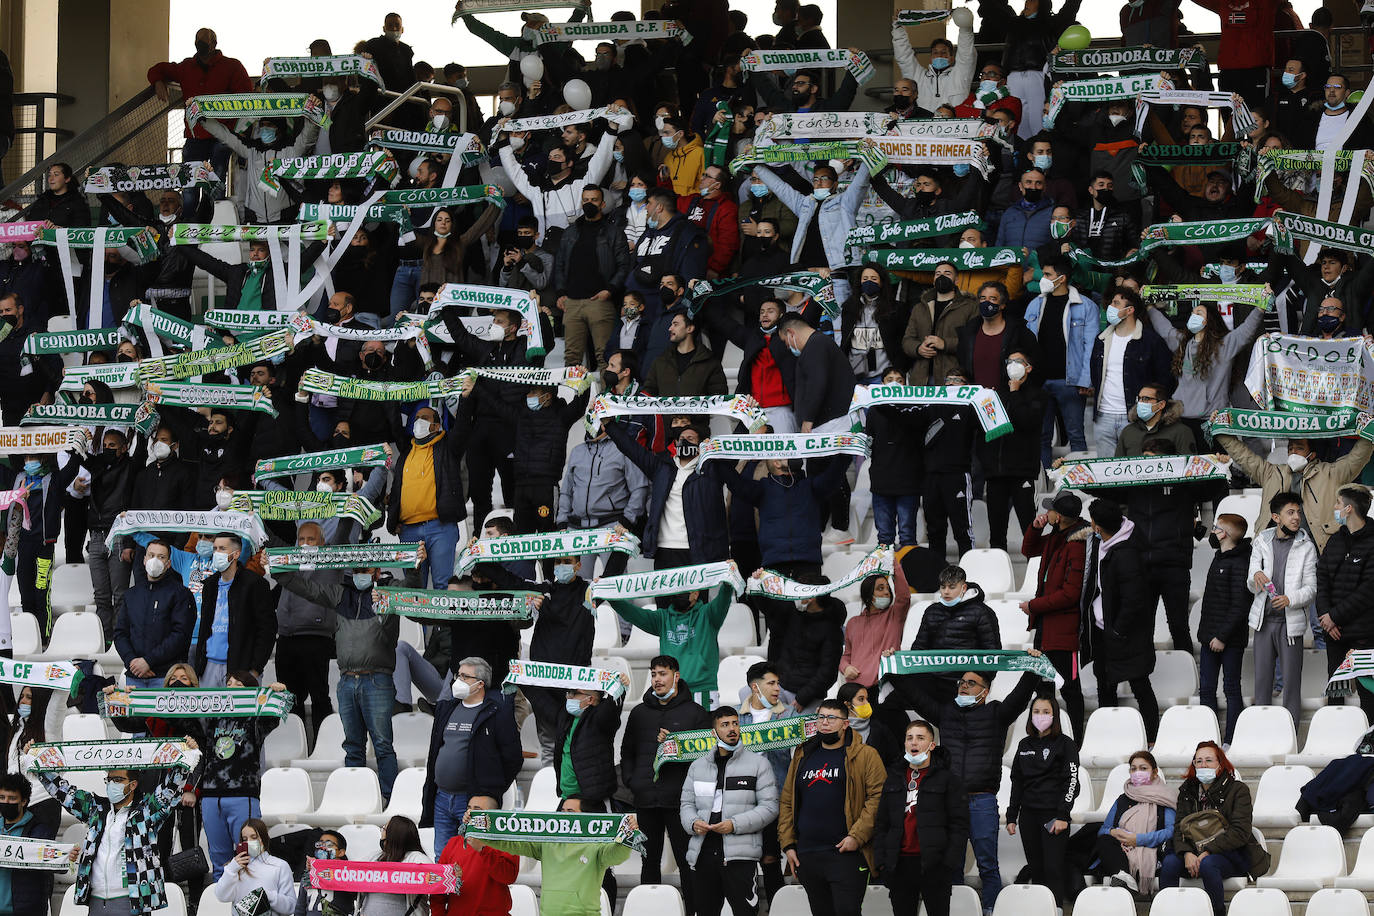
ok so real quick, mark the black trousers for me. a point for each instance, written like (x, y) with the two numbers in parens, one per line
(1002, 495)
(303, 666)
(546, 703)
(1171, 584)
(834, 881)
(1144, 696)
(716, 881)
(1072, 691)
(1046, 853)
(489, 453)
(75, 516)
(653, 822)
(908, 884)
(535, 506)
(1111, 858)
(946, 503)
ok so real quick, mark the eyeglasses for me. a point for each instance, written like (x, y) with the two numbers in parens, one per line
(822, 179)
(470, 678)
(1333, 86)
(968, 683)
(830, 718)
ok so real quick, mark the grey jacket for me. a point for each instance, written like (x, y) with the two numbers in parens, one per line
(532, 272)
(600, 487)
(1200, 396)
(362, 640)
(299, 616)
(751, 801)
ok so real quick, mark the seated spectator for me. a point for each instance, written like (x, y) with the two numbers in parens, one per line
(1139, 825)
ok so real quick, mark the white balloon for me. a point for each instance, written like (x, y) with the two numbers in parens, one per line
(577, 94)
(962, 17)
(531, 68)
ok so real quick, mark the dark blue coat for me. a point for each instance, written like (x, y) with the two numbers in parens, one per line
(703, 499)
(154, 622)
(791, 513)
(494, 750)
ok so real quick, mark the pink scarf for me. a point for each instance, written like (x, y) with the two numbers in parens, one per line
(1142, 818)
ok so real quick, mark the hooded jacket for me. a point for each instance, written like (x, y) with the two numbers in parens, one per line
(1054, 611)
(863, 777)
(895, 466)
(557, 207)
(807, 646)
(1170, 427)
(836, 213)
(942, 822)
(968, 624)
(1345, 583)
(679, 714)
(600, 485)
(790, 509)
(252, 158)
(1299, 579)
(1226, 599)
(750, 801)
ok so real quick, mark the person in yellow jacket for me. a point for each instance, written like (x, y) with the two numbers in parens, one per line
(685, 158)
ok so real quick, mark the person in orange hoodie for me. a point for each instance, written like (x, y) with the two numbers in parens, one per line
(486, 873)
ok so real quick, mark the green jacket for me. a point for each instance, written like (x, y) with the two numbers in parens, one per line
(689, 636)
(572, 873)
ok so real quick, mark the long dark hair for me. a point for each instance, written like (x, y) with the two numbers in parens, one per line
(1055, 728)
(883, 309)
(1213, 333)
(402, 838)
(28, 730)
(452, 255)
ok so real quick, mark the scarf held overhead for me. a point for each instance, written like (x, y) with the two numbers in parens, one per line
(943, 660)
(673, 581)
(985, 402)
(343, 556)
(542, 827)
(451, 605)
(195, 702)
(1145, 471)
(564, 677)
(772, 584)
(1307, 373)
(761, 737)
(545, 545)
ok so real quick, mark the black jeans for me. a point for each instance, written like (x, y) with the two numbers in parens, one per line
(1072, 691)
(908, 884)
(834, 881)
(1046, 853)
(1002, 495)
(714, 881)
(1171, 584)
(489, 453)
(947, 503)
(653, 822)
(303, 666)
(1144, 697)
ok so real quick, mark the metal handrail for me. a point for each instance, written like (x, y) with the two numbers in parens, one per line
(409, 95)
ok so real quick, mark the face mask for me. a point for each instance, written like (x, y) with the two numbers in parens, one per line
(1296, 463)
(161, 451)
(591, 210)
(421, 429)
(362, 581)
(154, 567)
(204, 548)
(917, 760)
(651, 222)
(1047, 287)
(533, 402)
(618, 156)
(1116, 119)
(1196, 323)
(167, 218)
(630, 313)
(496, 332)
(988, 309)
(1043, 162)
(1327, 324)
(1033, 195)
(574, 707)
(1340, 520)
(330, 93)
(507, 108)
(960, 169)
(1214, 542)
(460, 688)
(950, 602)
(563, 573)
(965, 701)
(1113, 315)
(687, 450)
(821, 193)
(517, 143)
(115, 792)
(965, 244)
(987, 86)
(660, 122)
(553, 166)
(937, 64)
(801, 99)
(219, 562)
(638, 194)
(1226, 273)
(1205, 775)
(793, 350)
(373, 361)
(943, 284)
(10, 811)
(440, 121)
(1041, 720)
(1015, 371)
(1144, 411)
(24, 710)
(254, 848)
(1289, 80)
(871, 288)
(268, 135)
(924, 198)
(1059, 229)
(758, 190)
(324, 487)
(864, 710)
(1336, 107)
(669, 142)
(32, 468)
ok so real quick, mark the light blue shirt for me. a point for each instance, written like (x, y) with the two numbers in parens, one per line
(217, 646)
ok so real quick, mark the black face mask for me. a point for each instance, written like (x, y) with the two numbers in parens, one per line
(1033, 195)
(871, 288)
(1214, 541)
(682, 602)
(757, 247)
(9, 811)
(12, 320)
(901, 102)
(553, 168)
(667, 295)
(525, 241)
(610, 379)
(590, 211)
(988, 309)
(85, 399)
(944, 284)
(331, 315)
(924, 198)
(1106, 197)
(373, 361)
(686, 450)
(121, 358)
(1327, 324)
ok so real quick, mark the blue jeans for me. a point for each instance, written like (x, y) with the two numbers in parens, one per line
(982, 831)
(1107, 429)
(224, 818)
(895, 516)
(405, 289)
(143, 681)
(1215, 869)
(365, 702)
(441, 546)
(1227, 663)
(448, 817)
(1065, 401)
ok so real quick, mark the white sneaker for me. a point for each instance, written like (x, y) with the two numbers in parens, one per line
(1127, 879)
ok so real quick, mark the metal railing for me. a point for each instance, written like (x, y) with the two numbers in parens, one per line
(411, 96)
(34, 133)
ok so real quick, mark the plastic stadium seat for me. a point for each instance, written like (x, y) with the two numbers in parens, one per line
(1027, 590)
(543, 791)
(329, 753)
(990, 569)
(364, 841)
(1260, 901)
(1245, 505)
(963, 901)
(1181, 901)
(407, 795)
(659, 899)
(619, 663)
(1024, 900)
(737, 632)
(350, 796)
(1231, 884)
(413, 633)
(1011, 624)
(71, 588)
(791, 901)
(606, 909)
(731, 676)
(1332, 733)
(1313, 857)
(838, 563)
(1112, 788)
(606, 636)
(209, 904)
(1180, 730)
(27, 637)
(287, 796)
(285, 743)
(410, 733)
(1086, 802)
(523, 902)
(1111, 735)
(1105, 901)
(1361, 877)
(74, 635)
(79, 727)
(1174, 678)
(1264, 736)
(1278, 793)
(1337, 901)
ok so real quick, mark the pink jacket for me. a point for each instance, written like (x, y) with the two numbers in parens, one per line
(866, 636)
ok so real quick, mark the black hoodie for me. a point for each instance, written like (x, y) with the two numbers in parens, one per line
(809, 647)
(637, 748)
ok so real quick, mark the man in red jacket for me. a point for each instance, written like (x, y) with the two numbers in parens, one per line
(207, 72)
(487, 873)
(1247, 46)
(1060, 538)
(717, 213)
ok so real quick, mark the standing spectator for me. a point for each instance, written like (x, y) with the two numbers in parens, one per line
(1126, 357)
(728, 799)
(1026, 223)
(237, 622)
(806, 645)
(487, 873)
(824, 380)
(670, 245)
(827, 812)
(824, 217)
(426, 502)
(1105, 228)
(1064, 323)
(1221, 632)
(1044, 783)
(895, 466)
(602, 487)
(688, 632)
(948, 499)
(865, 726)
(872, 327)
(1158, 419)
(394, 57)
(589, 275)
(945, 81)
(305, 637)
(985, 346)
(1059, 537)
(876, 628)
(767, 369)
(108, 488)
(959, 619)
(154, 620)
(688, 368)
(571, 872)
(556, 197)
(1283, 577)
(715, 211)
(24, 380)
(23, 890)
(1011, 463)
(583, 756)
(1345, 599)
(256, 869)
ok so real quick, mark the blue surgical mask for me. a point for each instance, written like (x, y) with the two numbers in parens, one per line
(115, 791)
(1113, 315)
(987, 86)
(32, 468)
(821, 193)
(532, 402)
(219, 562)
(939, 63)
(758, 190)
(960, 169)
(669, 142)
(950, 602)
(965, 700)
(362, 581)
(563, 573)
(1340, 520)
(1205, 775)
(1289, 80)
(1042, 162)
(638, 194)
(204, 547)
(651, 222)
(1226, 273)
(1196, 322)
(1336, 107)
(794, 351)
(268, 135)
(24, 710)
(917, 760)
(1144, 411)
(574, 707)
(618, 156)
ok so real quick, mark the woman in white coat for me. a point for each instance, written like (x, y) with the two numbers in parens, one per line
(254, 868)
(1284, 591)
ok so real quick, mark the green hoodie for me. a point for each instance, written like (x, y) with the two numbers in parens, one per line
(689, 636)
(572, 873)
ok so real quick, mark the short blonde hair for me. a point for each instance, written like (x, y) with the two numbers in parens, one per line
(181, 668)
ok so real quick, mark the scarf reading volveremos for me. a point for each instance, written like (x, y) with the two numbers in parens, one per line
(168, 176)
(1289, 226)
(63, 676)
(1307, 373)
(574, 378)
(254, 105)
(775, 585)
(610, 31)
(216, 359)
(1241, 119)
(919, 17)
(364, 164)
(1164, 235)
(554, 121)
(819, 288)
(361, 456)
(822, 125)
(412, 878)
(1189, 154)
(37, 440)
(494, 298)
(444, 604)
(541, 827)
(1252, 294)
(234, 397)
(322, 67)
(1125, 60)
(195, 703)
(985, 402)
(123, 754)
(343, 556)
(1356, 667)
(673, 581)
(1102, 90)
(526, 673)
(317, 381)
(140, 416)
(204, 233)
(29, 854)
(1095, 473)
(142, 240)
(927, 259)
(856, 62)
(774, 735)
(785, 445)
(302, 505)
(547, 544)
(785, 153)
(1279, 424)
(45, 342)
(740, 407)
(245, 525)
(913, 229)
(939, 660)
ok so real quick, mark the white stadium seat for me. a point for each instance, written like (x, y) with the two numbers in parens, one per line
(1181, 728)
(1260, 901)
(990, 569)
(74, 635)
(285, 743)
(350, 795)
(1337, 901)
(287, 796)
(1313, 857)
(1264, 736)
(1333, 732)
(1100, 900)
(329, 753)
(1181, 901)
(1361, 876)
(1278, 793)
(658, 899)
(1024, 900)
(1111, 735)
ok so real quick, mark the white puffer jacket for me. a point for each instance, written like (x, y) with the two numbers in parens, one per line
(934, 88)
(1299, 579)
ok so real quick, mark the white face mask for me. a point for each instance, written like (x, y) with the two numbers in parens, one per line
(496, 333)
(154, 567)
(1015, 371)
(517, 143)
(161, 451)
(222, 498)
(1047, 286)
(330, 93)
(324, 487)
(440, 121)
(254, 848)
(461, 689)
(1116, 119)
(659, 122)
(167, 218)
(964, 244)
(1296, 463)
(507, 108)
(421, 429)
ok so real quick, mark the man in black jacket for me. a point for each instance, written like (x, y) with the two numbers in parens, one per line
(589, 275)
(824, 383)
(168, 482)
(929, 199)
(1345, 596)
(806, 644)
(216, 450)
(430, 461)
(24, 379)
(108, 489)
(959, 619)
(152, 630)
(667, 707)
(238, 623)
(948, 498)
(584, 754)
(29, 889)
(1222, 630)
(474, 749)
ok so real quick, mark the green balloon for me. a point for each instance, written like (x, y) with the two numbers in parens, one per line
(1075, 38)
(1354, 97)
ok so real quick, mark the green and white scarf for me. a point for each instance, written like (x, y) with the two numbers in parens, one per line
(254, 105)
(821, 125)
(574, 378)
(526, 673)
(673, 581)
(345, 213)
(626, 30)
(985, 402)
(819, 288)
(856, 62)
(458, 196)
(554, 121)
(167, 176)
(740, 407)
(919, 17)
(927, 259)
(473, 7)
(1289, 226)
(343, 556)
(1104, 89)
(60, 676)
(546, 545)
(116, 375)
(143, 240)
(245, 525)
(361, 456)
(42, 343)
(119, 754)
(157, 324)
(772, 584)
(140, 416)
(1273, 161)
(362, 164)
(340, 65)
(943, 660)
(1164, 235)
(303, 326)
(233, 397)
(1356, 667)
(1186, 154)
(544, 827)
(1213, 271)
(1308, 373)
(216, 359)
(28, 854)
(908, 150)
(195, 703)
(914, 229)
(1143, 471)
(438, 142)
(1242, 121)
(1135, 59)
(766, 446)
(450, 606)
(40, 440)
(1252, 294)
(238, 322)
(761, 737)
(492, 298)
(787, 153)
(950, 129)
(317, 381)
(300, 505)
(204, 233)
(1282, 424)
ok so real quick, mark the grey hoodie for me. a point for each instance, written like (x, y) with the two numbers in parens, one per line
(601, 486)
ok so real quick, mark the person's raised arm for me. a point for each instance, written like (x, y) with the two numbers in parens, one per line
(902, 53)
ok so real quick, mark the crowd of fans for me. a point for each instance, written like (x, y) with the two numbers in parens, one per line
(629, 230)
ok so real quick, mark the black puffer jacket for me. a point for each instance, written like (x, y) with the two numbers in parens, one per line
(1226, 599)
(593, 755)
(1345, 583)
(475, 352)
(973, 735)
(809, 649)
(1017, 454)
(563, 633)
(941, 816)
(1163, 516)
(637, 748)
(970, 624)
(895, 466)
